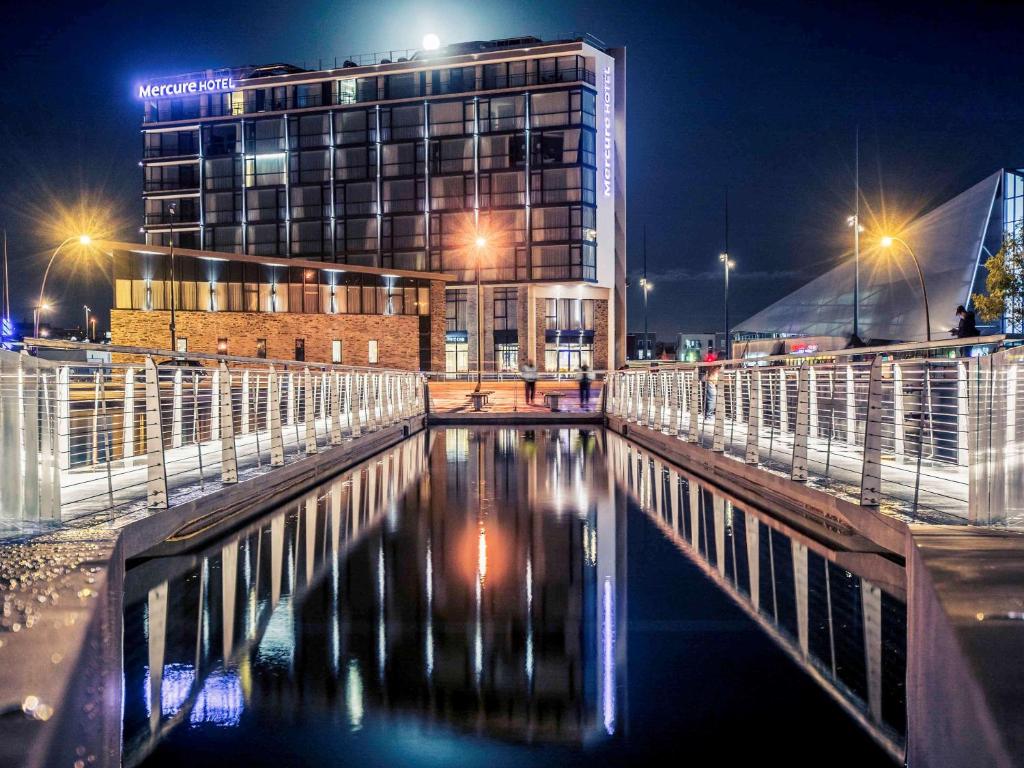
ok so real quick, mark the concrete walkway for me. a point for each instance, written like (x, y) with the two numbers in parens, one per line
(450, 402)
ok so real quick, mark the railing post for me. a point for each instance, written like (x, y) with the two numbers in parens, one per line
(371, 403)
(290, 410)
(962, 411)
(28, 397)
(128, 415)
(215, 398)
(244, 427)
(353, 402)
(812, 401)
(176, 410)
(228, 458)
(980, 474)
(753, 453)
(49, 449)
(309, 411)
(325, 390)
(871, 470)
(11, 469)
(718, 441)
(899, 428)
(851, 407)
(335, 408)
(798, 468)
(274, 418)
(692, 432)
(156, 469)
(63, 398)
(783, 401)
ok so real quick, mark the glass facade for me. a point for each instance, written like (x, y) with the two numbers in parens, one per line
(393, 171)
(1013, 222)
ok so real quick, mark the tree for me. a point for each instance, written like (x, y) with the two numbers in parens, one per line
(1004, 283)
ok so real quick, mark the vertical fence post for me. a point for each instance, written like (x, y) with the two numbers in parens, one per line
(63, 403)
(244, 427)
(753, 453)
(783, 401)
(899, 428)
(215, 404)
(354, 403)
(718, 441)
(49, 449)
(128, 415)
(980, 473)
(309, 411)
(871, 470)
(812, 401)
(962, 411)
(28, 396)
(371, 402)
(798, 468)
(691, 435)
(290, 410)
(274, 418)
(335, 408)
(176, 410)
(851, 407)
(11, 472)
(228, 457)
(156, 469)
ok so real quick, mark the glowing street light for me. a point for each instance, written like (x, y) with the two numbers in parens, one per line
(728, 264)
(83, 240)
(431, 42)
(887, 242)
(40, 308)
(481, 243)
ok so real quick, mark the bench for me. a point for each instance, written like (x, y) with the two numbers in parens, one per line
(552, 400)
(480, 399)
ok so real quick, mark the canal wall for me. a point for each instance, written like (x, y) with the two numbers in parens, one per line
(60, 672)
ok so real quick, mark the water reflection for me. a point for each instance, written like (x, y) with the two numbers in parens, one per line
(848, 630)
(473, 582)
(468, 577)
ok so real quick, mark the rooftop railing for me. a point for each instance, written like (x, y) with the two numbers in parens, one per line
(136, 427)
(926, 431)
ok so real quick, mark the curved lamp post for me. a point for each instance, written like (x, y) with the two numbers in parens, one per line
(887, 242)
(81, 240)
(728, 264)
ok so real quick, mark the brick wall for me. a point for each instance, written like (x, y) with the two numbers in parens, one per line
(600, 334)
(437, 326)
(397, 335)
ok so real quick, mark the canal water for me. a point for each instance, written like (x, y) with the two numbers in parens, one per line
(499, 596)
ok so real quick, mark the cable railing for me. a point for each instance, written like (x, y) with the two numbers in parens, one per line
(144, 427)
(925, 431)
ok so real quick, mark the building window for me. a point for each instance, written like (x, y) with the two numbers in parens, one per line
(222, 346)
(507, 357)
(261, 348)
(506, 309)
(371, 352)
(300, 350)
(336, 351)
(182, 344)
(456, 310)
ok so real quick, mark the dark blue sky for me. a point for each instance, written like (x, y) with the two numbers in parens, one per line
(761, 98)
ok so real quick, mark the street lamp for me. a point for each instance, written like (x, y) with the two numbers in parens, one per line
(887, 242)
(86, 328)
(646, 286)
(481, 243)
(39, 309)
(172, 209)
(82, 240)
(727, 264)
(853, 222)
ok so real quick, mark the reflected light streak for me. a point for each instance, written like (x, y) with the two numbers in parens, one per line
(608, 658)
(354, 695)
(381, 630)
(430, 612)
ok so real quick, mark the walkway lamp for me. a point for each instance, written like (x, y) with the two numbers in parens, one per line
(481, 244)
(727, 264)
(39, 309)
(646, 286)
(887, 242)
(84, 240)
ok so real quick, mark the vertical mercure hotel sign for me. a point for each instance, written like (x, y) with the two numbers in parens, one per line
(186, 88)
(607, 130)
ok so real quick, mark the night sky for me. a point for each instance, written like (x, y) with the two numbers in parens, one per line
(759, 99)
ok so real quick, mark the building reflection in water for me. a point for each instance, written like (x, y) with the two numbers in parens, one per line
(474, 580)
(471, 578)
(841, 615)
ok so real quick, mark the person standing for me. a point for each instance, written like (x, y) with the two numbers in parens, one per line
(966, 324)
(585, 378)
(529, 373)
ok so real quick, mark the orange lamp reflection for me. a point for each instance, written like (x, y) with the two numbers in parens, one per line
(481, 553)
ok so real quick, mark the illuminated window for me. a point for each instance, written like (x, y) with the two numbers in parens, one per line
(261, 347)
(371, 353)
(222, 346)
(300, 349)
(336, 351)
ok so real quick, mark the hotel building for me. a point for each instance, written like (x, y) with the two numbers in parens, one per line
(380, 175)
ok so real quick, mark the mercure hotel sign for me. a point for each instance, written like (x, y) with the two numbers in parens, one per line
(608, 137)
(186, 88)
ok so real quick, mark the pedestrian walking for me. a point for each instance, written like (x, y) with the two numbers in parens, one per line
(529, 373)
(586, 376)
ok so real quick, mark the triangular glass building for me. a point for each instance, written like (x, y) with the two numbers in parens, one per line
(951, 242)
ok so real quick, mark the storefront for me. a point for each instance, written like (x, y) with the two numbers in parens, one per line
(456, 352)
(566, 351)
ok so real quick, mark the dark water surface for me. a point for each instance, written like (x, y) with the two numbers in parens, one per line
(486, 597)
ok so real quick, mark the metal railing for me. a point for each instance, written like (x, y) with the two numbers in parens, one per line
(924, 430)
(151, 427)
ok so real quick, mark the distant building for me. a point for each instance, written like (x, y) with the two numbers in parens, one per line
(694, 347)
(951, 242)
(394, 164)
(640, 346)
